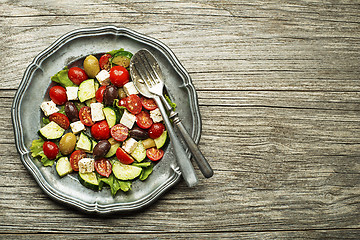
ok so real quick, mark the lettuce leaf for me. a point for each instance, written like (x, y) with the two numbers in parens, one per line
(62, 78)
(115, 184)
(120, 52)
(37, 152)
(172, 104)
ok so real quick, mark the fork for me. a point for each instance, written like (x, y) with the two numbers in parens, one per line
(150, 72)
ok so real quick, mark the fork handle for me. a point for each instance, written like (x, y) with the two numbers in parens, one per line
(183, 160)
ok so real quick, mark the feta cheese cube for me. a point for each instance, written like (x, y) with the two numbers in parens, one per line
(77, 127)
(129, 145)
(155, 115)
(97, 112)
(86, 165)
(103, 77)
(72, 93)
(128, 119)
(49, 108)
(129, 88)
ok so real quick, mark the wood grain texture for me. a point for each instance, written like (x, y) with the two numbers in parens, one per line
(279, 93)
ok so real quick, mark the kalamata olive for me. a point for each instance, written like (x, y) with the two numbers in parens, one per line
(138, 133)
(101, 148)
(71, 112)
(91, 66)
(67, 143)
(110, 94)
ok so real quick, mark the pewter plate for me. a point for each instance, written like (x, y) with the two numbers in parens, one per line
(26, 115)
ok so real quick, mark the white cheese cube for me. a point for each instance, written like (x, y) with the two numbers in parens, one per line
(86, 165)
(156, 116)
(129, 89)
(97, 112)
(129, 145)
(77, 127)
(103, 77)
(72, 93)
(49, 108)
(128, 119)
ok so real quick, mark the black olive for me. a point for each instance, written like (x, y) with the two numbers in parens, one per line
(71, 112)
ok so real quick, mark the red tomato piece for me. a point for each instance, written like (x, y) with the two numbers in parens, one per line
(148, 103)
(77, 75)
(104, 61)
(58, 95)
(60, 119)
(50, 149)
(133, 104)
(99, 95)
(143, 120)
(123, 156)
(103, 167)
(154, 154)
(75, 157)
(119, 76)
(156, 130)
(100, 130)
(85, 116)
(119, 132)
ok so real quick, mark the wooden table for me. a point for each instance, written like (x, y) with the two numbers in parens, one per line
(279, 93)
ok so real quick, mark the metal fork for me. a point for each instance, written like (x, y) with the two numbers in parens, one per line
(150, 72)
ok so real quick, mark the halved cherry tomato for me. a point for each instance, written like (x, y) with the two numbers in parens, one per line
(104, 61)
(123, 156)
(99, 95)
(100, 130)
(154, 154)
(77, 75)
(119, 132)
(119, 76)
(85, 116)
(103, 167)
(123, 102)
(60, 119)
(148, 103)
(133, 104)
(143, 120)
(156, 130)
(58, 95)
(75, 157)
(50, 149)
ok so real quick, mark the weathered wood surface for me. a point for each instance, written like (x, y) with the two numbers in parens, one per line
(279, 93)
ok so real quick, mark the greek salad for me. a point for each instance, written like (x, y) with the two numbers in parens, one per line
(96, 125)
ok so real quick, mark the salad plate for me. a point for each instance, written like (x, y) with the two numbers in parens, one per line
(32, 91)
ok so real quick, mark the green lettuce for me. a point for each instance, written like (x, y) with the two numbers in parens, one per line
(172, 104)
(37, 152)
(147, 168)
(114, 184)
(62, 78)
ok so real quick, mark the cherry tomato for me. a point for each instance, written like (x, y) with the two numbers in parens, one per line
(77, 75)
(119, 132)
(143, 120)
(104, 61)
(99, 95)
(58, 95)
(154, 154)
(148, 103)
(85, 116)
(103, 167)
(60, 119)
(122, 102)
(156, 130)
(50, 149)
(119, 76)
(100, 130)
(123, 156)
(75, 157)
(133, 104)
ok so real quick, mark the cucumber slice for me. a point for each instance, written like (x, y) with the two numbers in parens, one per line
(111, 116)
(114, 146)
(160, 141)
(86, 90)
(140, 152)
(89, 180)
(125, 172)
(51, 131)
(84, 143)
(63, 166)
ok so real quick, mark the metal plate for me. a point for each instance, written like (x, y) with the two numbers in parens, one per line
(26, 115)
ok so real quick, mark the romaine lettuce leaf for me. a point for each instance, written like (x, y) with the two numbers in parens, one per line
(62, 78)
(172, 104)
(37, 152)
(115, 184)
